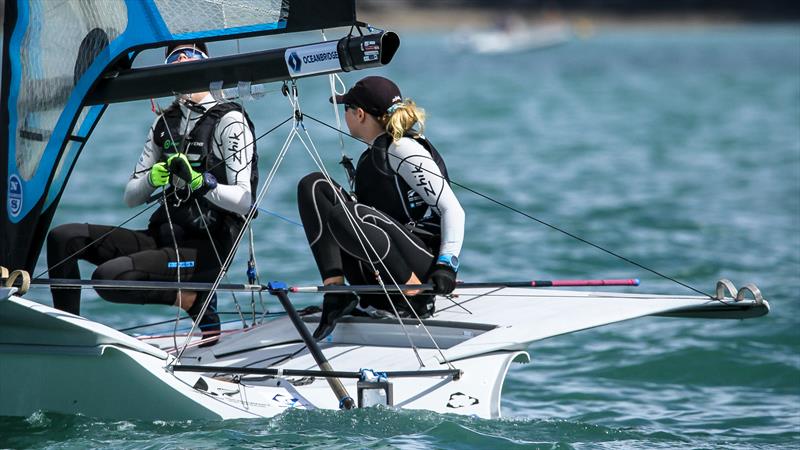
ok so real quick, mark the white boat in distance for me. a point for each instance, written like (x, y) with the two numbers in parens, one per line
(515, 38)
(62, 66)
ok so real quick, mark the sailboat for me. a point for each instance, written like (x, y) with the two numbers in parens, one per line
(63, 64)
(510, 36)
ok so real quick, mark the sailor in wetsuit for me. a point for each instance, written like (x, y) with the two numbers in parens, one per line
(403, 205)
(205, 151)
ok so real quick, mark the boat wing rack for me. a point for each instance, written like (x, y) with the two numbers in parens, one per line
(455, 373)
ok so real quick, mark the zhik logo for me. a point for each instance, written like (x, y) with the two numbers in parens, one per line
(294, 62)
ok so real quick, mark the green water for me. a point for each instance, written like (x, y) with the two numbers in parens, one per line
(679, 148)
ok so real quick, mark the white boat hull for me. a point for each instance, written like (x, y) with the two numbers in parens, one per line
(56, 362)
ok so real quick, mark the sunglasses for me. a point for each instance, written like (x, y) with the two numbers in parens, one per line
(191, 53)
(349, 106)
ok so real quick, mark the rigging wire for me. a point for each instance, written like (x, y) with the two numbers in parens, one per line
(248, 219)
(171, 228)
(315, 156)
(547, 224)
(252, 273)
(219, 259)
(317, 159)
(169, 321)
(279, 216)
(104, 235)
(178, 271)
(346, 161)
(199, 209)
(359, 234)
(165, 197)
(294, 133)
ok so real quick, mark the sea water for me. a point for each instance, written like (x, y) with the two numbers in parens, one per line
(676, 147)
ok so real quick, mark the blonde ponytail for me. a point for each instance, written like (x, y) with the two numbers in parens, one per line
(402, 117)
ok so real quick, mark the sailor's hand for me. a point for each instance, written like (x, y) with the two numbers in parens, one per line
(179, 165)
(159, 175)
(443, 279)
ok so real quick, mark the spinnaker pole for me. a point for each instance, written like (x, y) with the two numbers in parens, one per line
(280, 290)
(455, 373)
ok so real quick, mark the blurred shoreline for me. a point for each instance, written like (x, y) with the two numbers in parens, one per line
(437, 18)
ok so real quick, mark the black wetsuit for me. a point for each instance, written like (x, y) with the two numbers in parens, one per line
(149, 255)
(402, 227)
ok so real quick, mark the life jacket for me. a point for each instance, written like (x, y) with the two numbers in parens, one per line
(198, 147)
(379, 186)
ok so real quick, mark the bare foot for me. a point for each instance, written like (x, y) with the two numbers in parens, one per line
(413, 280)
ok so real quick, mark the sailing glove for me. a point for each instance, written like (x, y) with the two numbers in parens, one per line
(443, 279)
(159, 175)
(199, 183)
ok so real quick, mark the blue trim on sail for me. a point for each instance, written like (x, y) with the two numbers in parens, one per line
(13, 95)
(144, 26)
(71, 152)
(33, 189)
(279, 25)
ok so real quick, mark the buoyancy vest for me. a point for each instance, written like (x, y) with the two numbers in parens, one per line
(379, 186)
(198, 146)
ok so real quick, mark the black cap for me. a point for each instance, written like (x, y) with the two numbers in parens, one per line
(372, 94)
(198, 45)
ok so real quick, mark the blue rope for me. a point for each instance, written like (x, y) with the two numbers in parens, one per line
(280, 216)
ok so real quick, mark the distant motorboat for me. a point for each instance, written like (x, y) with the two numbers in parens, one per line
(516, 39)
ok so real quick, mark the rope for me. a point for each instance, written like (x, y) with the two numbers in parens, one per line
(524, 214)
(164, 322)
(172, 229)
(315, 156)
(104, 235)
(219, 260)
(264, 311)
(359, 234)
(25, 284)
(248, 219)
(333, 79)
(229, 258)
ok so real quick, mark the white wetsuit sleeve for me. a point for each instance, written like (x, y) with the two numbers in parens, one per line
(233, 142)
(416, 166)
(139, 189)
